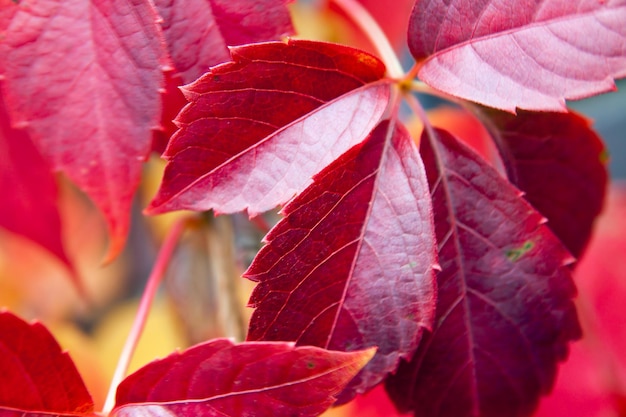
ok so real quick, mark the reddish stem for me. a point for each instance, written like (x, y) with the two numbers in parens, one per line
(156, 276)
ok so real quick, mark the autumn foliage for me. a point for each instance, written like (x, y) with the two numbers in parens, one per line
(434, 261)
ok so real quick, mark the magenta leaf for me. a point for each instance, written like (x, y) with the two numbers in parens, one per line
(560, 164)
(29, 207)
(351, 264)
(37, 378)
(258, 128)
(504, 310)
(83, 78)
(219, 378)
(198, 32)
(531, 55)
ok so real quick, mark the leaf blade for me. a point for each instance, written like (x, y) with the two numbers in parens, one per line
(266, 105)
(359, 239)
(199, 32)
(559, 162)
(83, 78)
(488, 53)
(37, 377)
(25, 176)
(504, 314)
(220, 378)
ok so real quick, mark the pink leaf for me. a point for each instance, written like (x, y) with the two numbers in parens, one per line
(29, 207)
(83, 77)
(198, 32)
(530, 54)
(258, 128)
(350, 266)
(504, 310)
(219, 378)
(37, 377)
(560, 164)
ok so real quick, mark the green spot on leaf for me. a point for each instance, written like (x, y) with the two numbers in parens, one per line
(515, 254)
(604, 156)
(310, 365)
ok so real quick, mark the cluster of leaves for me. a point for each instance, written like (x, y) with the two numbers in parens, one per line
(415, 246)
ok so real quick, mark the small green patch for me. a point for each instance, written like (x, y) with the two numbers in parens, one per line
(516, 253)
(604, 156)
(310, 365)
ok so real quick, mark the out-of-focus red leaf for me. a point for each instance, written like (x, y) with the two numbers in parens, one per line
(258, 128)
(198, 32)
(351, 264)
(392, 18)
(504, 310)
(29, 206)
(37, 378)
(83, 78)
(560, 164)
(593, 379)
(219, 378)
(531, 55)
(173, 101)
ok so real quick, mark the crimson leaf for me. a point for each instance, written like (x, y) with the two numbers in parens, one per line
(198, 32)
(37, 377)
(259, 127)
(219, 378)
(504, 310)
(350, 265)
(560, 164)
(530, 54)
(83, 77)
(29, 208)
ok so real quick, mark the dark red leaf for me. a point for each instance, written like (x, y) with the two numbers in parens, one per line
(29, 206)
(560, 164)
(37, 378)
(350, 266)
(258, 128)
(504, 310)
(83, 77)
(219, 378)
(532, 54)
(198, 32)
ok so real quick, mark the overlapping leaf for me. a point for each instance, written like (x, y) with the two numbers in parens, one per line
(504, 310)
(560, 164)
(29, 206)
(532, 54)
(198, 32)
(259, 127)
(219, 378)
(37, 378)
(83, 77)
(350, 265)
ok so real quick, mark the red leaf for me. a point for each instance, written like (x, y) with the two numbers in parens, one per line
(531, 54)
(37, 377)
(504, 309)
(258, 128)
(83, 77)
(219, 378)
(198, 32)
(350, 266)
(29, 208)
(560, 164)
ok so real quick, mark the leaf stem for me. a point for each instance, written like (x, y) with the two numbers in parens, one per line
(372, 30)
(417, 108)
(154, 280)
